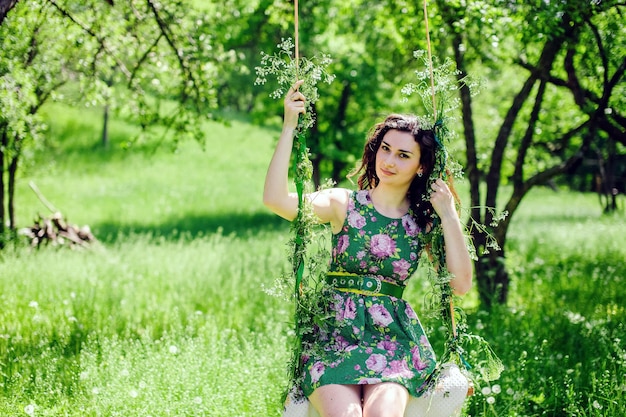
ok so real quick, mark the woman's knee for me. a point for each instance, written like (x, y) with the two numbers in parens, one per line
(384, 399)
(337, 401)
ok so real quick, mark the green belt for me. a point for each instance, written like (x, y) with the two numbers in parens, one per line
(363, 284)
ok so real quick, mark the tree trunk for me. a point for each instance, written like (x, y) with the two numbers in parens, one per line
(3, 146)
(5, 8)
(611, 190)
(11, 188)
(105, 126)
(492, 278)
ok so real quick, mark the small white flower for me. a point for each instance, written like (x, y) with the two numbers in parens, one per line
(197, 400)
(496, 389)
(30, 409)
(95, 390)
(510, 391)
(491, 400)
(597, 405)
(173, 350)
(124, 372)
(133, 393)
(33, 304)
(486, 391)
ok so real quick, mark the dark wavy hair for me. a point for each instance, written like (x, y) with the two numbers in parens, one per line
(425, 138)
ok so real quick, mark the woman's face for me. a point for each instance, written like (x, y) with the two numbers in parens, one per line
(398, 158)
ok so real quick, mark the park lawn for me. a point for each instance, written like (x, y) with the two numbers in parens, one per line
(170, 314)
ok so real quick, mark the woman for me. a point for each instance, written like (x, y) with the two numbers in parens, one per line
(371, 357)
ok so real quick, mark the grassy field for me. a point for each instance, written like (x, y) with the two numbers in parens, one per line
(168, 314)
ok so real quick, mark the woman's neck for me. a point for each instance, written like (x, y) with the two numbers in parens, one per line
(391, 201)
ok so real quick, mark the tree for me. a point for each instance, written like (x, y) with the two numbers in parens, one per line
(557, 113)
(160, 56)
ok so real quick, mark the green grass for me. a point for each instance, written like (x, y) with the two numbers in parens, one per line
(167, 315)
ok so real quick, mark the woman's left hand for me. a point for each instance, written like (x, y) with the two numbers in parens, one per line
(442, 199)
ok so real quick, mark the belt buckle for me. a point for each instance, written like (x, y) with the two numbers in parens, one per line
(373, 291)
(379, 284)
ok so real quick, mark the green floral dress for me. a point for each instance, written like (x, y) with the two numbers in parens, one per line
(368, 339)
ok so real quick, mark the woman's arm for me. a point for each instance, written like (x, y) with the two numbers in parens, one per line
(327, 204)
(276, 195)
(458, 259)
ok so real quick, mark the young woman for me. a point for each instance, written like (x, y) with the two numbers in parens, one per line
(371, 357)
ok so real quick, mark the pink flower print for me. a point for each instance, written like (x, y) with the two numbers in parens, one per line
(424, 341)
(368, 381)
(362, 264)
(387, 345)
(340, 343)
(317, 370)
(360, 254)
(380, 315)
(343, 243)
(397, 369)
(401, 268)
(356, 220)
(376, 362)
(374, 269)
(413, 256)
(363, 197)
(357, 367)
(417, 359)
(382, 246)
(410, 313)
(411, 228)
(349, 310)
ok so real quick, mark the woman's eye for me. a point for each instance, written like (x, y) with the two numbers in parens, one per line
(403, 155)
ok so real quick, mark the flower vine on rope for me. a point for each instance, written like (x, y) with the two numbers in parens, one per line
(437, 91)
(287, 69)
(308, 265)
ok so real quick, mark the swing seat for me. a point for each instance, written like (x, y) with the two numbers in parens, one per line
(445, 399)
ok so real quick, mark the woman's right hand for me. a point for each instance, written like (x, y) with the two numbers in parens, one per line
(294, 103)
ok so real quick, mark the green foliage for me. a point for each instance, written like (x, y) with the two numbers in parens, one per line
(169, 316)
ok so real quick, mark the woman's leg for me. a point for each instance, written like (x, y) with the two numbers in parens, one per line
(337, 400)
(386, 399)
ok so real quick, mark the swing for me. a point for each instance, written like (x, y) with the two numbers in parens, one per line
(450, 388)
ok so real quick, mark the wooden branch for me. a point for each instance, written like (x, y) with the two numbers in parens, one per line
(527, 139)
(165, 30)
(143, 58)
(42, 198)
(94, 35)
